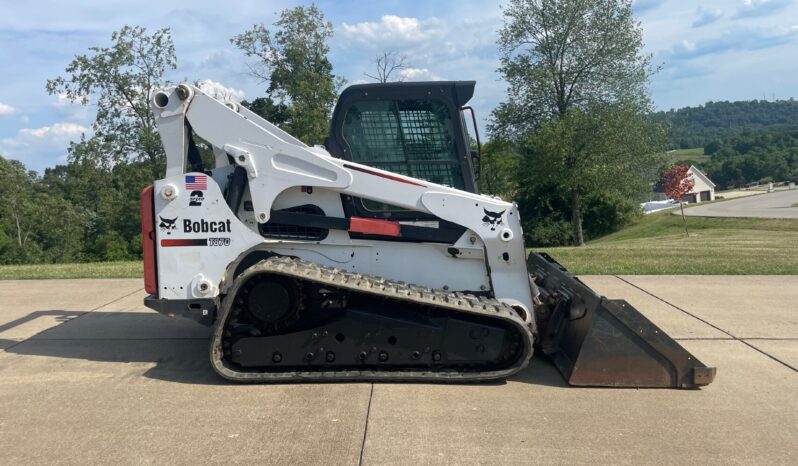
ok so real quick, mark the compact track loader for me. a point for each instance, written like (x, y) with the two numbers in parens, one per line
(372, 258)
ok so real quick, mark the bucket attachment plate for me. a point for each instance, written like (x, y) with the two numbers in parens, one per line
(595, 341)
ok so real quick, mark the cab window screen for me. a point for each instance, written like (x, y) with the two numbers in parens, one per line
(410, 137)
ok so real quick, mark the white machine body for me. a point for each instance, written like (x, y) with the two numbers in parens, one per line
(198, 237)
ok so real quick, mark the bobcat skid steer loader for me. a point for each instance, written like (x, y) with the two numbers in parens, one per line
(372, 258)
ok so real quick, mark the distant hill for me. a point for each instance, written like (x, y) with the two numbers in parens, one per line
(691, 127)
(735, 143)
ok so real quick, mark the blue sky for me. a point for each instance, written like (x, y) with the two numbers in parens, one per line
(709, 50)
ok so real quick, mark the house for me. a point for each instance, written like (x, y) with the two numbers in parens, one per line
(703, 187)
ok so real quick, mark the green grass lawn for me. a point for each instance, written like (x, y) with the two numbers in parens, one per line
(656, 245)
(89, 270)
(696, 154)
(653, 245)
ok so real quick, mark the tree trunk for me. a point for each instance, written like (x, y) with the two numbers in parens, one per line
(681, 206)
(15, 214)
(19, 230)
(576, 218)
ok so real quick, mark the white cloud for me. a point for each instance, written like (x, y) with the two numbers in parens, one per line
(6, 110)
(67, 109)
(706, 16)
(761, 8)
(42, 147)
(58, 130)
(689, 46)
(62, 101)
(219, 91)
(441, 46)
(419, 74)
(392, 29)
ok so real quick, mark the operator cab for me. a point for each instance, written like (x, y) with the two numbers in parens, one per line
(416, 129)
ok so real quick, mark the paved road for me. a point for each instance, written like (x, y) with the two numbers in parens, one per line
(87, 375)
(770, 205)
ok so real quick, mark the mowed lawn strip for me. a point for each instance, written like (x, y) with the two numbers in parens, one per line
(133, 269)
(696, 155)
(656, 245)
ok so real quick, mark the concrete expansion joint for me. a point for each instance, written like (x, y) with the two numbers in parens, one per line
(366, 426)
(731, 337)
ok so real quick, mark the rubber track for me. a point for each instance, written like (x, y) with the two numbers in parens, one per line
(308, 271)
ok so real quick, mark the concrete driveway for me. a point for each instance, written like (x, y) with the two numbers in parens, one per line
(88, 375)
(778, 204)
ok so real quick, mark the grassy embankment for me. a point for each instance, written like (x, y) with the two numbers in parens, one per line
(696, 154)
(132, 269)
(655, 244)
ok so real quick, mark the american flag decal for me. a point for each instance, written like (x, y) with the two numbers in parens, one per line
(197, 182)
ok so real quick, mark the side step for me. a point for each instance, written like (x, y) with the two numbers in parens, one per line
(595, 341)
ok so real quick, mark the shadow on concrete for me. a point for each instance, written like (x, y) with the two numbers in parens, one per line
(177, 347)
(540, 371)
(60, 316)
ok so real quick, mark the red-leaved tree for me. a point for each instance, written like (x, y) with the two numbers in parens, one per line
(677, 183)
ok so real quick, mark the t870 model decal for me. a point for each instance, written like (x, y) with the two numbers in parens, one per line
(196, 242)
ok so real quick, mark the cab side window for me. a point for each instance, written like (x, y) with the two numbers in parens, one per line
(410, 137)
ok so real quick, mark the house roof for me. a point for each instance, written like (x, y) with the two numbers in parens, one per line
(695, 171)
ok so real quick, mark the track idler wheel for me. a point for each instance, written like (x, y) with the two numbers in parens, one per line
(272, 303)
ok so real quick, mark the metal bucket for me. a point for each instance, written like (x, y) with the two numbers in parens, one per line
(595, 341)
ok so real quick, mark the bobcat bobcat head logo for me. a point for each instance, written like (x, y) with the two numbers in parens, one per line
(492, 219)
(167, 225)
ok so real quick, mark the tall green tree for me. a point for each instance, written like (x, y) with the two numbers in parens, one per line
(36, 225)
(108, 169)
(17, 205)
(293, 60)
(577, 96)
(119, 80)
(500, 165)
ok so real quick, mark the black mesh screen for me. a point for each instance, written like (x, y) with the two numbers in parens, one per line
(409, 137)
(282, 231)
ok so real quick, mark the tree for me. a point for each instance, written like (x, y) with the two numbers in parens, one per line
(36, 224)
(500, 164)
(577, 95)
(267, 108)
(677, 183)
(18, 206)
(387, 64)
(119, 80)
(294, 62)
(108, 169)
(600, 153)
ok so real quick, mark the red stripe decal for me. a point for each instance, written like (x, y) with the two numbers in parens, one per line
(184, 242)
(373, 226)
(381, 175)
